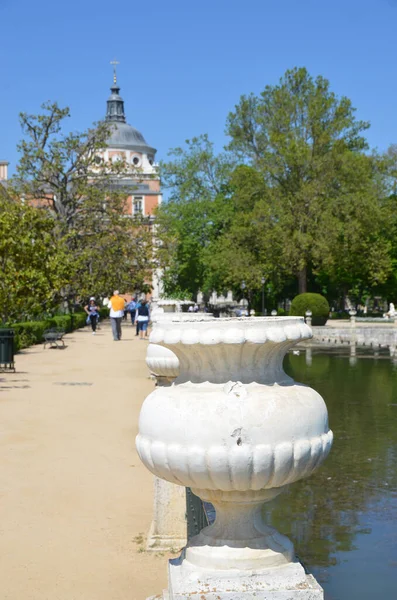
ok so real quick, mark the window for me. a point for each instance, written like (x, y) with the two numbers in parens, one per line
(137, 204)
(136, 161)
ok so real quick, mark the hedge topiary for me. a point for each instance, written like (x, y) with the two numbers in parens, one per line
(314, 302)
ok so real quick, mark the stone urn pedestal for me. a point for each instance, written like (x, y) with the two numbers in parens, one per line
(237, 430)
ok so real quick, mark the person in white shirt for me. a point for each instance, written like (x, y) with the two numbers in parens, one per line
(116, 305)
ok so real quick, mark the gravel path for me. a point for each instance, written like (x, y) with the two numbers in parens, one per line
(75, 500)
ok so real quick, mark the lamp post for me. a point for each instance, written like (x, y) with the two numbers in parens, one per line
(263, 280)
(308, 315)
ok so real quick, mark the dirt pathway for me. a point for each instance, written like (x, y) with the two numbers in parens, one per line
(75, 499)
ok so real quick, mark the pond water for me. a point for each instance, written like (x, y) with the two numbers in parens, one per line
(343, 519)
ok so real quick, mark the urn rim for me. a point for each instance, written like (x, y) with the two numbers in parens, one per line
(229, 330)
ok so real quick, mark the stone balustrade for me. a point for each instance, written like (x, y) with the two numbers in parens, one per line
(382, 335)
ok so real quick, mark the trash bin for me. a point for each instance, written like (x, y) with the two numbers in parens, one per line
(7, 349)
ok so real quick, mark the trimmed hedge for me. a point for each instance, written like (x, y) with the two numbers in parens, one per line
(31, 332)
(104, 313)
(314, 302)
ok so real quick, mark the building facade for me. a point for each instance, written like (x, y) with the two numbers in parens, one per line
(143, 184)
(140, 183)
(3, 170)
(128, 145)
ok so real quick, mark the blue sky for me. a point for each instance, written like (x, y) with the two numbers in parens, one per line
(184, 64)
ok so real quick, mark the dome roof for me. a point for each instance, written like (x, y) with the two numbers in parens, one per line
(123, 136)
(126, 137)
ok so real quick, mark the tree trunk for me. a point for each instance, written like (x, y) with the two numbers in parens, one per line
(302, 280)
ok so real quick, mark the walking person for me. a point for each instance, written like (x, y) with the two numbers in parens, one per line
(92, 311)
(131, 307)
(137, 306)
(116, 305)
(143, 319)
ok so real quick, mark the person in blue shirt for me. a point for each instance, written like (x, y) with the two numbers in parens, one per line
(131, 308)
(137, 306)
(92, 311)
(142, 319)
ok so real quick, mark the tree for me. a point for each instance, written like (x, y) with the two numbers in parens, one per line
(249, 249)
(388, 160)
(32, 262)
(295, 195)
(65, 173)
(197, 212)
(309, 148)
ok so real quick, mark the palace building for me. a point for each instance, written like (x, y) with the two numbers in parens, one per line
(141, 184)
(128, 144)
(4, 170)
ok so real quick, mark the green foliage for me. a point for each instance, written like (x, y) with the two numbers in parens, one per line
(87, 201)
(339, 315)
(314, 302)
(31, 332)
(196, 173)
(325, 197)
(296, 197)
(250, 247)
(196, 214)
(31, 261)
(104, 312)
(177, 294)
(79, 320)
(76, 320)
(65, 322)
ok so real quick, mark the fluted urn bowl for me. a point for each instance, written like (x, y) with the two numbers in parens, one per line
(234, 427)
(162, 362)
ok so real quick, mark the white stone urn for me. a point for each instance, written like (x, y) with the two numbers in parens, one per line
(162, 362)
(237, 430)
(168, 529)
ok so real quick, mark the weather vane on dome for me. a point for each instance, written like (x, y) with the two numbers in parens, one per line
(114, 63)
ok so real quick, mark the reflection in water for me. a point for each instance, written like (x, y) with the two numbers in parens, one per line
(343, 519)
(309, 359)
(353, 354)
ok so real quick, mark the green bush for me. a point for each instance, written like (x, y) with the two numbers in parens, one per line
(339, 315)
(64, 322)
(31, 332)
(79, 320)
(104, 312)
(314, 302)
